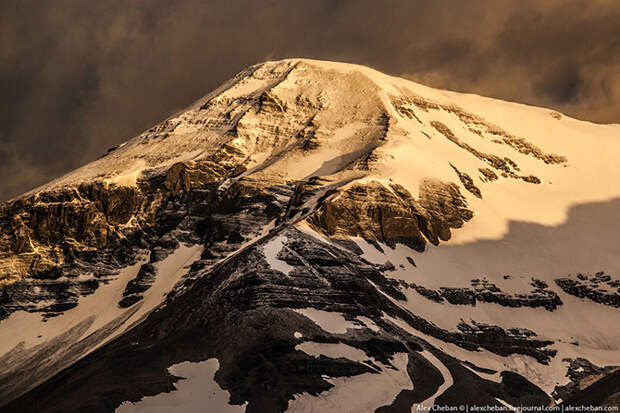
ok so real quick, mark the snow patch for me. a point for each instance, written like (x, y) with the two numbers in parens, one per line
(496, 377)
(30, 329)
(196, 392)
(271, 250)
(100, 306)
(368, 323)
(397, 256)
(332, 322)
(362, 393)
(332, 350)
(169, 272)
(448, 381)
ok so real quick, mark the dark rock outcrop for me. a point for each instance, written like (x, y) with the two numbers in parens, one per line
(391, 215)
(487, 292)
(467, 182)
(600, 288)
(255, 344)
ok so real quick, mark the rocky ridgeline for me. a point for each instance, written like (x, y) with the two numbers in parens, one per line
(81, 218)
(250, 305)
(505, 166)
(188, 204)
(487, 292)
(408, 102)
(600, 288)
(50, 239)
(337, 275)
(80, 237)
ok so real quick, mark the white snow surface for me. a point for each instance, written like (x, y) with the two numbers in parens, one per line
(362, 393)
(407, 156)
(330, 321)
(368, 323)
(271, 250)
(448, 381)
(196, 392)
(332, 350)
(27, 329)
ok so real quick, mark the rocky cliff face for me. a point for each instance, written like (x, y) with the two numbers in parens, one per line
(286, 226)
(391, 215)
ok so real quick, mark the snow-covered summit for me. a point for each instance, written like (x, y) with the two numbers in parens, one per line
(311, 230)
(297, 118)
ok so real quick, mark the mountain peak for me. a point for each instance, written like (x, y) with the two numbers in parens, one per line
(304, 192)
(297, 118)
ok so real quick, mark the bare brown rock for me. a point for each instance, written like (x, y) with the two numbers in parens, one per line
(392, 216)
(467, 182)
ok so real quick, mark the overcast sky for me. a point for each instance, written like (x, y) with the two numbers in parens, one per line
(78, 77)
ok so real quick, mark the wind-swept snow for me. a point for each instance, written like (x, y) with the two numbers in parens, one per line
(129, 177)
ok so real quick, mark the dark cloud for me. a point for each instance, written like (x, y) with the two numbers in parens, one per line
(78, 77)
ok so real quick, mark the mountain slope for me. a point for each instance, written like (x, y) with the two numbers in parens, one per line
(311, 229)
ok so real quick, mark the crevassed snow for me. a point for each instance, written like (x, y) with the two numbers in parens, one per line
(362, 393)
(196, 392)
(271, 250)
(330, 321)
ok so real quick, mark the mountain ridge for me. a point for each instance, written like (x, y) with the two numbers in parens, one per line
(289, 163)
